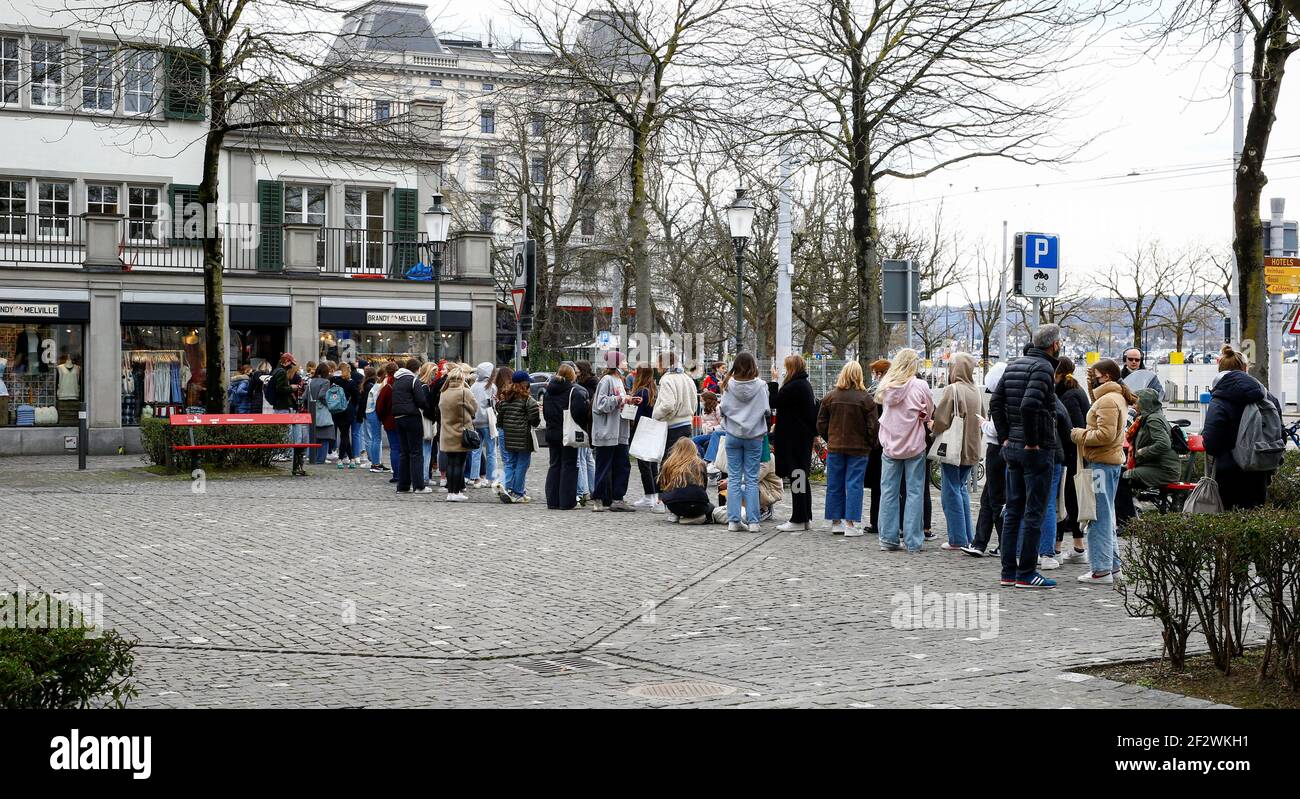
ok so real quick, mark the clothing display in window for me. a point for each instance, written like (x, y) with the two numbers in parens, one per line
(69, 376)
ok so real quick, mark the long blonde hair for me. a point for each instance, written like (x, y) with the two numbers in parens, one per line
(682, 467)
(425, 371)
(901, 370)
(850, 378)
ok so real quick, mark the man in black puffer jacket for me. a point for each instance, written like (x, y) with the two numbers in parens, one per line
(1024, 412)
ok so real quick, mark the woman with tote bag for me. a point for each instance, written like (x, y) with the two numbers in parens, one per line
(609, 437)
(563, 396)
(643, 389)
(959, 408)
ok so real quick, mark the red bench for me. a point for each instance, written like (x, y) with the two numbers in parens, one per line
(193, 420)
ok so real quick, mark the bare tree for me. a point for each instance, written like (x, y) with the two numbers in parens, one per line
(984, 301)
(1185, 297)
(1138, 285)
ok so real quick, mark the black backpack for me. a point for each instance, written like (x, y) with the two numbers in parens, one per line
(1178, 440)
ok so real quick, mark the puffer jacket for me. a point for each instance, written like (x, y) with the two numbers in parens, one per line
(1024, 406)
(1153, 450)
(406, 399)
(1228, 400)
(1102, 439)
(516, 418)
(962, 393)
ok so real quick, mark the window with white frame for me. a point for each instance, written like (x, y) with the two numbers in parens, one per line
(97, 77)
(139, 81)
(9, 69)
(53, 207)
(538, 125)
(487, 87)
(13, 207)
(487, 121)
(306, 204)
(47, 73)
(142, 213)
(101, 198)
(383, 110)
(363, 218)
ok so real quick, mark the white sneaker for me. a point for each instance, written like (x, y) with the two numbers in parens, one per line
(754, 528)
(457, 498)
(1088, 577)
(425, 490)
(658, 507)
(711, 469)
(1070, 556)
(670, 518)
(837, 527)
(1047, 562)
(331, 457)
(851, 530)
(643, 502)
(363, 464)
(789, 527)
(735, 527)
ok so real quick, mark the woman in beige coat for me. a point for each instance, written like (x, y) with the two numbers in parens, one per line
(457, 409)
(1102, 443)
(962, 402)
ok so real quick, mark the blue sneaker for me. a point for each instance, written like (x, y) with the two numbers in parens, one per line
(1036, 580)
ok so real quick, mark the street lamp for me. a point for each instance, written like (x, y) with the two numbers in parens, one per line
(437, 221)
(740, 218)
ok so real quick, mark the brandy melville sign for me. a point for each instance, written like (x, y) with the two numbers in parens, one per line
(394, 318)
(29, 309)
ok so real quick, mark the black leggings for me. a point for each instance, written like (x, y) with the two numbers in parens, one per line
(345, 438)
(649, 476)
(456, 472)
(690, 510)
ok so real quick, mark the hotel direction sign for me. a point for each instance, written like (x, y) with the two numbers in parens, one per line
(39, 309)
(396, 318)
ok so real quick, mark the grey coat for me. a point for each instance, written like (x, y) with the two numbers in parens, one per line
(608, 429)
(316, 389)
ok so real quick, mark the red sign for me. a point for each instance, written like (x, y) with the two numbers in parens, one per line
(201, 419)
(1295, 323)
(517, 297)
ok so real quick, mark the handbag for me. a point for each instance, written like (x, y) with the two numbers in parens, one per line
(1205, 497)
(574, 435)
(628, 412)
(492, 422)
(720, 460)
(1085, 490)
(322, 416)
(948, 445)
(430, 429)
(649, 441)
(469, 437)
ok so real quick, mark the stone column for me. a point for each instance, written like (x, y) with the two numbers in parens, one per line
(483, 338)
(300, 250)
(102, 377)
(304, 325)
(102, 235)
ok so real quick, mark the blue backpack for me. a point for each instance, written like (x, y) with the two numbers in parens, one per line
(335, 400)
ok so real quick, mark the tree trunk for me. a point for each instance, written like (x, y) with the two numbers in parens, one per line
(638, 232)
(214, 306)
(865, 253)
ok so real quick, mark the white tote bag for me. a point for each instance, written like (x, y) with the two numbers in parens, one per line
(574, 435)
(948, 445)
(720, 460)
(1085, 491)
(649, 441)
(492, 422)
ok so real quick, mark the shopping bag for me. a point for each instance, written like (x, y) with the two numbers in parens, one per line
(649, 441)
(628, 412)
(492, 423)
(1084, 491)
(948, 445)
(767, 450)
(720, 460)
(574, 435)
(1205, 497)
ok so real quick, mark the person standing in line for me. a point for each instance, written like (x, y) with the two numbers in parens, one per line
(517, 416)
(1047, 553)
(282, 392)
(435, 398)
(409, 398)
(457, 408)
(586, 455)
(610, 434)
(876, 458)
(483, 460)
(793, 437)
(847, 422)
(643, 390)
(384, 410)
(344, 420)
(321, 433)
(675, 403)
(908, 408)
(502, 379)
(1103, 452)
(745, 418)
(959, 398)
(713, 378)
(684, 485)
(1024, 410)
(993, 497)
(562, 394)
(428, 419)
(1235, 389)
(374, 383)
(358, 416)
(1076, 403)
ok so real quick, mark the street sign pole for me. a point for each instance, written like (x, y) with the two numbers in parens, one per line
(909, 305)
(1033, 328)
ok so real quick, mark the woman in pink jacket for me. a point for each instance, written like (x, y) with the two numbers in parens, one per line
(907, 408)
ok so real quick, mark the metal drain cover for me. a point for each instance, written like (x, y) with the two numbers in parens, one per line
(686, 689)
(551, 667)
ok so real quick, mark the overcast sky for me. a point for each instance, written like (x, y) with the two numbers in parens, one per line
(1166, 117)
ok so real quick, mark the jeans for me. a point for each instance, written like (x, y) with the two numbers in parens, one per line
(517, 471)
(326, 444)
(410, 431)
(893, 475)
(709, 449)
(1103, 546)
(1047, 541)
(426, 456)
(501, 449)
(744, 459)
(1029, 481)
(586, 471)
(486, 449)
(844, 478)
(374, 438)
(358, 438)
(955, 499)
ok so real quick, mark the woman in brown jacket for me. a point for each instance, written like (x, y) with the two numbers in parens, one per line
(847, 421)
(1102, 442)
(960, 399)
(456, 409)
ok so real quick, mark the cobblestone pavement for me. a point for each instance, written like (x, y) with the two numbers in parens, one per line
(331, 591)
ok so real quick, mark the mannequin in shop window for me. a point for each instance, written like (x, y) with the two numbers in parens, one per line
(68, 389)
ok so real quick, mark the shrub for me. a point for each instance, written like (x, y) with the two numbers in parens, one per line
(1161, 563)
(1275, 553)
(1284, 490)
(60, 667)
(157, 436)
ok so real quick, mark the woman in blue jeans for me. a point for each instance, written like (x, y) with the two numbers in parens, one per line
(744, 417)
(960, 403)
(1102, 442)
(908, 408)
(846, 420)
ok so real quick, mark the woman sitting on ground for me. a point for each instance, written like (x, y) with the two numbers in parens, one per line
(683, 484)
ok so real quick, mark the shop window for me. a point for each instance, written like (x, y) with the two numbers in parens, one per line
(41, 377)
(380, 346)
(9, 70)
(139, 83)
(97, 77)
(47, 73)
(101, 198)
(142, 213)
(13, 207)
(54, 208)
(163, 370)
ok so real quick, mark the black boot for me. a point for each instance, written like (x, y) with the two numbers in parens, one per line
(298, 471)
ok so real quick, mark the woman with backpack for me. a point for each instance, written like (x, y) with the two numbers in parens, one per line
(344, 419)
(1103, 453)
(847, 422)
(517, 416)
(563, 394)
(322, 434)
(745, 413)
(960, 398)
(1232, 394)
(792, 437)
(908, 409)
(456, 412)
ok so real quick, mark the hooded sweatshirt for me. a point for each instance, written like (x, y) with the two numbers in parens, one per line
(484, 392)
(744, 408)
(902, 423)
(962, 393)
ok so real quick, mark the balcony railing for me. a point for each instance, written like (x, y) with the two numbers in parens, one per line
(312, 117)
(32, 240)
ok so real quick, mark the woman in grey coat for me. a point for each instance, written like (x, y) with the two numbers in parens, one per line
(321, 434)
(610, 434)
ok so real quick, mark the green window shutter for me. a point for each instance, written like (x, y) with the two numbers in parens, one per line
(406, 230)
(178, 196)
(183, 93)
(270, 247)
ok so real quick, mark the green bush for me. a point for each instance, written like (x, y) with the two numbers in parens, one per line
(157, 436)
(1284, 491)
(1275, 554)
(60, 667)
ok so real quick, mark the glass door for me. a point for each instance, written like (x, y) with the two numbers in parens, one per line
(363, 218)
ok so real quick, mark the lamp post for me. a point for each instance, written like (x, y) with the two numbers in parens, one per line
(437, 221)
(740, 218)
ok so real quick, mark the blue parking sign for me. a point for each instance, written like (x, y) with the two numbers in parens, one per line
(1040, 265)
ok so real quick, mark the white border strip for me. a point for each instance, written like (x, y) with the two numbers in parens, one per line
(67, 295)
(382, 304)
